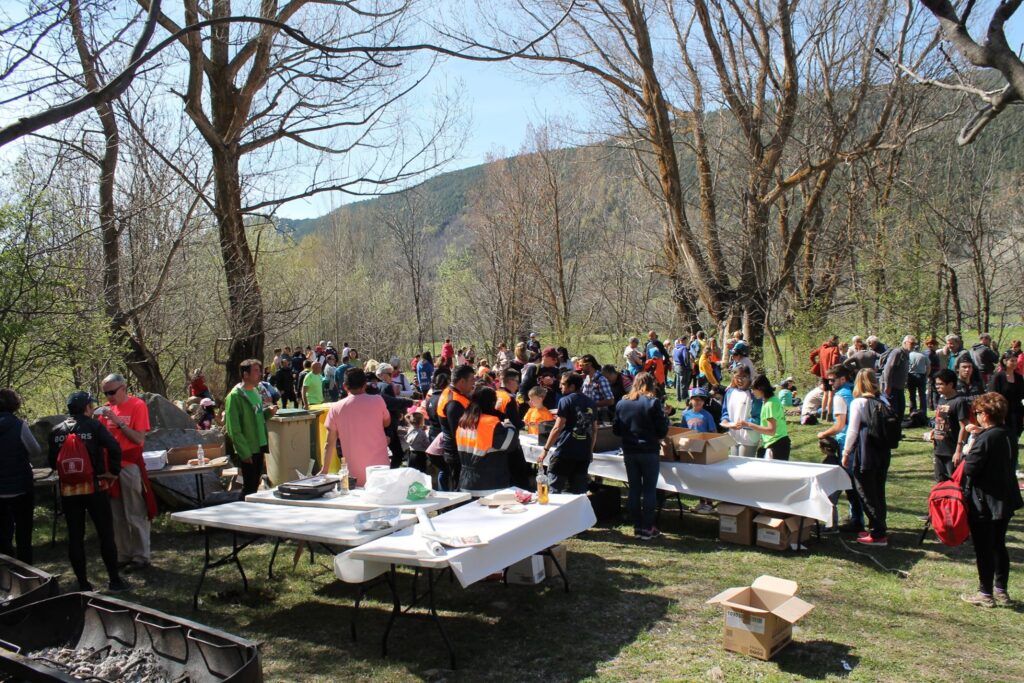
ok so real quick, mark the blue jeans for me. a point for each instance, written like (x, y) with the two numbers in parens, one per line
(642, 472)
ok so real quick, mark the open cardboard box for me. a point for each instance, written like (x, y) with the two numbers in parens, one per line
(759, 618)
(779, 533)
(668, 444)
(701, 448)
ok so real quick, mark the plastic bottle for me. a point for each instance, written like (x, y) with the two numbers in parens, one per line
(543, 489)
(343, 473)
(200, 455)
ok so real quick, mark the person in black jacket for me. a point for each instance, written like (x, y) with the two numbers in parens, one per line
(641, 421)
(105, 466)
(284, 380)
(1010, 386)
(17, 492)
(992, 497)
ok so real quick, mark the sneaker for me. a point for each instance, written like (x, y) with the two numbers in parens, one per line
(978, 599)
(829, 530)
(862, 534)
(118, 585)
(704, 509)
(137, 566)
(638, 532)
(850, 526)
(924, 518)
(868, 539)
(648, 534)
(84, 586)
(1002, 598)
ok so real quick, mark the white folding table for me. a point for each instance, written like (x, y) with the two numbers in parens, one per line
(327, 527)
(508, 539)
(356, 500)
(783, 486)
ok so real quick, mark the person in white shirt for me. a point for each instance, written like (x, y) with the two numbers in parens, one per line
(810, 409)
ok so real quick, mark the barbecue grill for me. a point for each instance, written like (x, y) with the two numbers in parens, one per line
(188, 652)
(21, 584)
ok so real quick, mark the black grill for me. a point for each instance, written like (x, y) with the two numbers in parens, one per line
(21, 584)
(187, 651)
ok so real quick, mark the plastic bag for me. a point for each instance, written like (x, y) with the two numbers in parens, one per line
(417, 491)
(391, 487)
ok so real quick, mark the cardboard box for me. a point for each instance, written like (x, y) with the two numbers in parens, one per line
(549, 566)
(668, 444)
(528, 572)
(779, 533)
(702, 449)
(735, 523)
(180, 455)
(759, 619)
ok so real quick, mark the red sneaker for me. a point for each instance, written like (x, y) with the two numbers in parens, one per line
(869, 540)
(862, 534)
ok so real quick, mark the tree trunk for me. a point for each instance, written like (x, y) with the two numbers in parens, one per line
(139, 360)
(245, 300)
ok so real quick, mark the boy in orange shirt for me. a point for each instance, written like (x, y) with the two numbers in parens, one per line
(537, 412)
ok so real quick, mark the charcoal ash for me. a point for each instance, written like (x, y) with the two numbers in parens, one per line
(106, 664)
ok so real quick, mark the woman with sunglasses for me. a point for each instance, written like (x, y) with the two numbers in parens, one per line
(992, 497)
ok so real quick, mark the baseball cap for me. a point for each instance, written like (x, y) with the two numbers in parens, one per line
(550, 352)
(79, 401)
(207, 403)
(533, 335)
(699, 392)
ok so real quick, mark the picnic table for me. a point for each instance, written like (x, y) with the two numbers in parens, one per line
(784, 486)
(212, 465)
(507, 539)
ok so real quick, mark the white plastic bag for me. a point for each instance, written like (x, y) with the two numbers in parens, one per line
(391, 487)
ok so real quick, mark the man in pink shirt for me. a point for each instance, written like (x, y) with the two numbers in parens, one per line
(359, 421)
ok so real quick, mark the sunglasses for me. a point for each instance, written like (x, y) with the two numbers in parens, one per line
(113, 391)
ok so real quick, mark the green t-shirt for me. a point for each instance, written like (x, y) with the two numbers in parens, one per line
(314, 385)
(772, 408)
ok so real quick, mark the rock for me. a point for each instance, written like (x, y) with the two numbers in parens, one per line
(165, 415)
(41, 429)
(163, 439)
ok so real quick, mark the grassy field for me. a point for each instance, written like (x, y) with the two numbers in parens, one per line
(636, 611)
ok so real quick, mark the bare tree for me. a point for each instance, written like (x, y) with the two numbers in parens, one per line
(405, 220)
(993, 52)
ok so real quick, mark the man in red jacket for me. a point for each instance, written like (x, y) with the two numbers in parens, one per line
(823, 358)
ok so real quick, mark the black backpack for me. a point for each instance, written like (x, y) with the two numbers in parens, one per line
(883, 425)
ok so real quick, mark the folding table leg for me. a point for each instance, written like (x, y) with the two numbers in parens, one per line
(273, 556)
(202, 572)
(561, 572)
(235, 549)
(392, 579)
(437, 620)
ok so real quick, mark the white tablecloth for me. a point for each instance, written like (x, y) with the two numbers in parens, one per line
(356, 500)
(788, 487)
(510, 538)
(316, 525)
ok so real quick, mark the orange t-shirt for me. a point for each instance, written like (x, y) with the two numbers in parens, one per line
(135, 415)
(533, 418)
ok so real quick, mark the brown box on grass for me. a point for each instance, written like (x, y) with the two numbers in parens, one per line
(701, 448)
(759, 619)
(550, 571)
(779, 533)
(735, 523)
(528, 572)
(180, 455)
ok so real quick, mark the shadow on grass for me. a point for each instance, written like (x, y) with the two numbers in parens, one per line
(817, 659)
(496, 629)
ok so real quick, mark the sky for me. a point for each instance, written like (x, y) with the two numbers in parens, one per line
(501, 102)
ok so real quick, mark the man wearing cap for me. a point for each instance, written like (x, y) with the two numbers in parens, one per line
(132, 502)
(533, 346)
(105, 458)
(245, 425)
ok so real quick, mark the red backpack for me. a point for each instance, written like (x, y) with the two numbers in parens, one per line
(947, 510)
(74, 467)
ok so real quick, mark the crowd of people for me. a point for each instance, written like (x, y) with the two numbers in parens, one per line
(459, 417)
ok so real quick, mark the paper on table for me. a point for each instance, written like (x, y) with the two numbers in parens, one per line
(433, 544)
